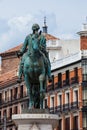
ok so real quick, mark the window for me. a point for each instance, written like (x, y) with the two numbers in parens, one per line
(0, 98)
(84, 69)
(52, 101)
(0, 114)
(4, 113)
(67, 98)
(10, 113)
(21, 91)
(45, 103)
(5, 95)
(76, 95)
(15, 110)
(60, 125)
(11, 94)
(84, 119)
(52, 82)
(15, 92)
(67, 77)
(67, 124)
(75, 123)
(59, 100)
(59, 80)
(76, 72)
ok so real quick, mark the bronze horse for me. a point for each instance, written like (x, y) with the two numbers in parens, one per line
(35, 75)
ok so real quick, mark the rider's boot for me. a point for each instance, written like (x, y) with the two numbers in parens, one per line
(20, 72)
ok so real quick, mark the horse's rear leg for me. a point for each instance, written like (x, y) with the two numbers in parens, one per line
(41, 80)
(29, 91)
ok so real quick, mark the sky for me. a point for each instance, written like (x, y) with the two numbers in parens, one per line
(64, 19)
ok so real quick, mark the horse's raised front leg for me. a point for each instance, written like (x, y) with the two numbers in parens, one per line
(29, 91)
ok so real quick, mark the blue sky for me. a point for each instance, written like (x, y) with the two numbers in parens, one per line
(64, 19)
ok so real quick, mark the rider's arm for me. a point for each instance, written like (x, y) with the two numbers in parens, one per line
(24, 47)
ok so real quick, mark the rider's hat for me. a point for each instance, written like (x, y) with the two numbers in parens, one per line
(35, 27)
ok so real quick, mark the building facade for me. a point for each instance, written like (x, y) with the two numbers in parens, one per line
(65, 96)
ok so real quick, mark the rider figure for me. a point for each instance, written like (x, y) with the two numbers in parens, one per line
(25, 50)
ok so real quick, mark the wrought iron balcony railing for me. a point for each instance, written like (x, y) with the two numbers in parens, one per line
(63, 84)
(66, 107)
(58, 108)
(75, 105)
(85, 102)
(14, 98)
(74, 80)
(66, 83)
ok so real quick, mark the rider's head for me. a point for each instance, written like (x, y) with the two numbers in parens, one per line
(35, 27)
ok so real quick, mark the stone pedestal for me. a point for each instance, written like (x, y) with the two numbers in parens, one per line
(35, 121)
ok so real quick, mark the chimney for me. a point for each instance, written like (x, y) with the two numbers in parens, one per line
(83, 37)
(45, 26)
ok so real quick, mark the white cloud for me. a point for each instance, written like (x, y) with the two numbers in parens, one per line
(18, 27)
(20, 23)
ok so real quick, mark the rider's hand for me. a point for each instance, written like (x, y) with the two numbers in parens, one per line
(19, 54)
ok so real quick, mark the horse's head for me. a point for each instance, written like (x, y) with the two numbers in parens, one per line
(35, 46)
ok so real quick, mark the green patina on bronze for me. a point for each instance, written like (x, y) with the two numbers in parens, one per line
(35, 66)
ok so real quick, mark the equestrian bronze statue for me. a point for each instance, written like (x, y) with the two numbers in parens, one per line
(35, 67)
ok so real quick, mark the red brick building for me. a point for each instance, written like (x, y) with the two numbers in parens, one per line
(66, 96)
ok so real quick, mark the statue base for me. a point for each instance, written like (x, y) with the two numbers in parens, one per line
(35, 121)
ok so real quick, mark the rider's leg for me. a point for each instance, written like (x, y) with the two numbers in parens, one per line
(20, 72)
(21, 67)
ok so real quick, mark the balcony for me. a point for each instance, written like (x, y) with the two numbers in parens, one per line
(58, 85)
(74, 80)
(84, 105)
(84, 53)
(66, 83)
(63, 84)
(52, 110)
(15, 99)
(66, 107)
(74, 105)
(7, 120)
(58, 109)
(84, 83)
(50, 87)
(76, 129)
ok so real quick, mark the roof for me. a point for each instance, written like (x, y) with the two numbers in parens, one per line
(50, 37)
(14, 49)
(17, 48)
(9, 76)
